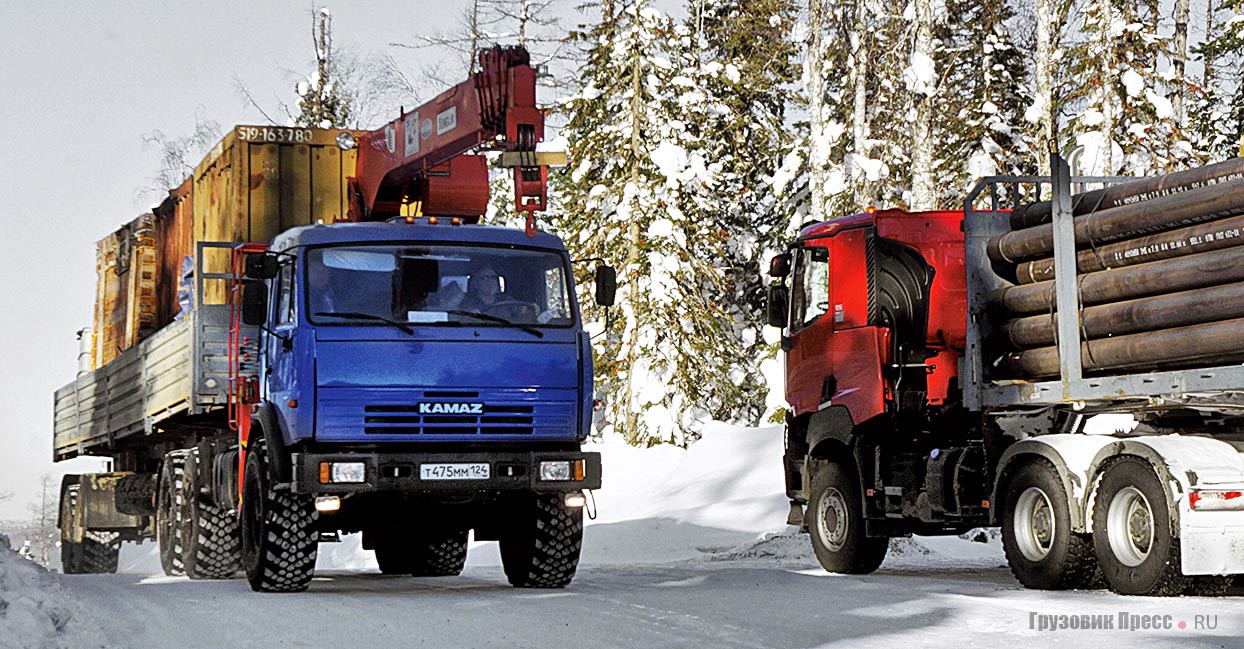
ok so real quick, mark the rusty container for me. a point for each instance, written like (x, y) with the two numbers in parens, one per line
(125, 297)
(260, 181)
(257, 182)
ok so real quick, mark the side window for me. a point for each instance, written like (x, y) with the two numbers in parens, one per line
(554, 293)
(810, 289)
(285, 299)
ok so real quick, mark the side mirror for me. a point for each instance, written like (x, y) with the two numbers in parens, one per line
(262, 266)
(606, 285)
(779, 266)
(254, 303)
(777, 300)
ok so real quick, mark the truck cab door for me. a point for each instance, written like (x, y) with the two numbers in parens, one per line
(279, 375)
(809, 363)
(835, 355)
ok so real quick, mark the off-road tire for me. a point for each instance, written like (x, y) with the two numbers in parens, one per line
(211, 539)
(440, 553)
(394, 556)
(425, 553)
(541, 548)
(71, 558)
(169, 510)
(135, 494)
(1158, 573)
(99, 551)
(1209, 585)
(279, 539)
(1070, 562)
(850, 550)
(70, 552)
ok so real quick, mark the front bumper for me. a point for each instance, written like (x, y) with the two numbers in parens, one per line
(399, 472)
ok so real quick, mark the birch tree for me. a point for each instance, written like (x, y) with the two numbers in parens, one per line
(924, 86)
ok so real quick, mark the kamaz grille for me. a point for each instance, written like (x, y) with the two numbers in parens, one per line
(406, 420)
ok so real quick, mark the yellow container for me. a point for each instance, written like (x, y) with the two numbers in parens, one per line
(125, 296)
(257, 182)
(260, 181)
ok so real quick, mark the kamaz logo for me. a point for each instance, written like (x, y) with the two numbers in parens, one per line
(451, 408)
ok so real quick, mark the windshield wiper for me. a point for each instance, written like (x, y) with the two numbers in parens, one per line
(355, 315)
(492, 318)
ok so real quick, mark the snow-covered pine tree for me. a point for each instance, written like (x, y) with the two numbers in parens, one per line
(852, 92)
(742, 65)
(1121, 113)
(979, 118)
(820, 57)
(869, 99)
(1217, 115)
(632, 195)
(891, 111)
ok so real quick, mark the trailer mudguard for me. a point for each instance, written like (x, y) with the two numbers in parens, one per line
(1072, 457)
(1181, 463)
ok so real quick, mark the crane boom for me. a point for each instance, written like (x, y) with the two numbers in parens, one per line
(422, 156)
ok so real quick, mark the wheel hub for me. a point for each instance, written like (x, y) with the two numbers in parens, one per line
(1034, 524)
(1129, 526)
(831, 519)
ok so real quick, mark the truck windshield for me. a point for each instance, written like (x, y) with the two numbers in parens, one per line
(438, 284)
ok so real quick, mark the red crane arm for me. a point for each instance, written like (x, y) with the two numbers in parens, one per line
(420, 156)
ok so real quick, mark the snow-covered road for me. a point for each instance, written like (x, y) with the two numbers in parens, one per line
(743, 603)
(690, 550)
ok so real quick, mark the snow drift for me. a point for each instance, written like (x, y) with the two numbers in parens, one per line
(35, 612)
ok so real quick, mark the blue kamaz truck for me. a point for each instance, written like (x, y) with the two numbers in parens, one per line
(385, 366)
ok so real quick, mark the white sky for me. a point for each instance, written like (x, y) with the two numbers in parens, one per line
(80, 84)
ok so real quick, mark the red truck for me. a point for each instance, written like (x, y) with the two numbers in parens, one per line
(913, 410)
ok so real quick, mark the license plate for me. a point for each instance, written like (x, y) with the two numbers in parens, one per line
(472, 471)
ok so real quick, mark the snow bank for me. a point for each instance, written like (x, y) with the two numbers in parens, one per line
(35, 611)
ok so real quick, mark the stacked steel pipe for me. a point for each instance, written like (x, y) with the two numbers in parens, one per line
(1160, 276)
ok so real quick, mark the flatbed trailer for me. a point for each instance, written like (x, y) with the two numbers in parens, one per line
(127, 408)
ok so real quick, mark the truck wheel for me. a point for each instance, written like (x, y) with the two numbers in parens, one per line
(1132, 532)
(169, 509)
(71, 558)
(210, 535)
(541, 550)
(135, 494)
(430, 553)
(440, 553)
(1209, 585)
(279, 540)
(1041, 548)
(70, 552)
(99, 551)
(835, 522)
(394, 556)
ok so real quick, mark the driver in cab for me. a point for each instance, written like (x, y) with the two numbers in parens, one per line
(483, 291)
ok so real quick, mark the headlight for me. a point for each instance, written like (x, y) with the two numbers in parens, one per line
(345, 140)
(342, 472)
(559, 470)
(562, 470)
